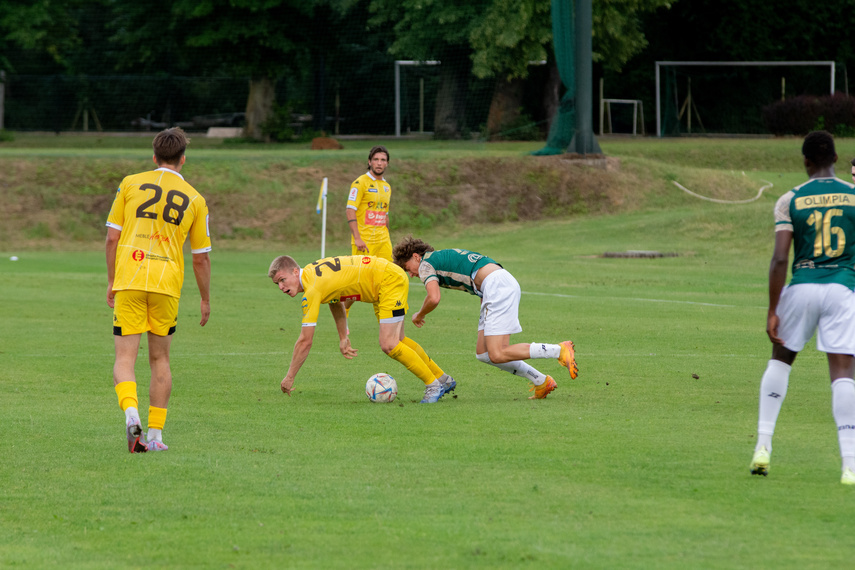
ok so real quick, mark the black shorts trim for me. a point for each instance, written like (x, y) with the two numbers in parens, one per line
(399, 312)
(117, 331)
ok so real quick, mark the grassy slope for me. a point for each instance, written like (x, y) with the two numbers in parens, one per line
(59, 196)
(636, 464)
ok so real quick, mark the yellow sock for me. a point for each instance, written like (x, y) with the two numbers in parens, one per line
(411, 360)
(127, 393)
(417, 348)
(156, 417)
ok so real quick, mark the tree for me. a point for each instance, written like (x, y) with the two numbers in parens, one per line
(435, 30)
(500, 38)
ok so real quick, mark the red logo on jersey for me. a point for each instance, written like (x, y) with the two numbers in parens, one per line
(366, 260)
(160, 237)
(375, 218)
(350, 298)
(138, 255)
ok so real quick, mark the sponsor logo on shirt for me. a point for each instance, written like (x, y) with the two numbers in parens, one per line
(350, 298)
(825, 200)
(159, 237)
(375, 218)
(138, 255)
(353, 192)
(366, 260)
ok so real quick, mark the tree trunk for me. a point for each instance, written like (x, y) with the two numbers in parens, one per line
(551, 93)
(259, 106)
(450, 113)
(505, 106)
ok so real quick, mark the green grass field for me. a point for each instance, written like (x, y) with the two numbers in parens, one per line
(635, 464)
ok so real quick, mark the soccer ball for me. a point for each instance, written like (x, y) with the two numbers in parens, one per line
(381, 388)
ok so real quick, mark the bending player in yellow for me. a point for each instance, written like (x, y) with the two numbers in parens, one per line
(152, 215)
(332, 281)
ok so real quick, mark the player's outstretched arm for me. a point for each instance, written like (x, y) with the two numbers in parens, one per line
(202, 270)
(431, 302)
(340, 318)
(354, 230)
(777, 281)
(301, 352)
(112, 246)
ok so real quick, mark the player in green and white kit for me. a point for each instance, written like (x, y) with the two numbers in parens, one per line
(818, 219)
(500, 299)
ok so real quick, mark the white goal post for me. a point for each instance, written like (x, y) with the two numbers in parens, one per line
(398, 64)
(731, 64)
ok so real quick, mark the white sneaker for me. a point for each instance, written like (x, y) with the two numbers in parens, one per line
(848, 477)
(156, 446)
(133, 429)
(433, 392)
(448, 384)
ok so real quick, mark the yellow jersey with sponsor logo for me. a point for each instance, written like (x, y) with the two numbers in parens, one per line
(370, 198)
(156, 211)
(335, 279)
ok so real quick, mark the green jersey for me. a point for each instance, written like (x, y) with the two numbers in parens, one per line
(453, 268)
(821, 215)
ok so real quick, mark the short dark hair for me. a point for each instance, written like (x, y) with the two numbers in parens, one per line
(169, 145)
(407, 248)
(819, 148)
(375, 149)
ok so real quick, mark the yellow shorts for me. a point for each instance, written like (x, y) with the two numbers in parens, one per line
(392, 305)
(381, 250)
(136, 312)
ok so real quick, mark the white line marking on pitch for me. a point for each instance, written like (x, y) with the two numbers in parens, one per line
(635, 299)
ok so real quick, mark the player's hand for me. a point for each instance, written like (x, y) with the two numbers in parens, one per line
(418, 320)
(111, 297)
(287, 385)
(360, 245)
(346, 350)
(205, 307)
(772, 322)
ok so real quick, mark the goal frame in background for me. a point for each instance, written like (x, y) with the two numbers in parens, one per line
(398, 64)
(730, 64)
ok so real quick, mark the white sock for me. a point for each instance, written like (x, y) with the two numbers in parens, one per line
(541, 350)
(155, 435)
(132, 414)
(843, 407)
(517, 368)
(773, 390)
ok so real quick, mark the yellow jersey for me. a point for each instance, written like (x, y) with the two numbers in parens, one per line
(370, 197)
(335, 279)
(155, 212)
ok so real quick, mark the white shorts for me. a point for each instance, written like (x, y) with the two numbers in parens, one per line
(500, 306)
(827, 308)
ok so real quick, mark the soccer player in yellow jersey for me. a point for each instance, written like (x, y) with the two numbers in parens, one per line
(153, 213)
(367, 210)
(364, 278)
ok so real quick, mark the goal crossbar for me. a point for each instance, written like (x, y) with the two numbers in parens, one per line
(659, 64)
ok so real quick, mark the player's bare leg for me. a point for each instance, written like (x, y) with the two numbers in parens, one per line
(391, 335)
(159, 390)
(497, 351)
(125, 383)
